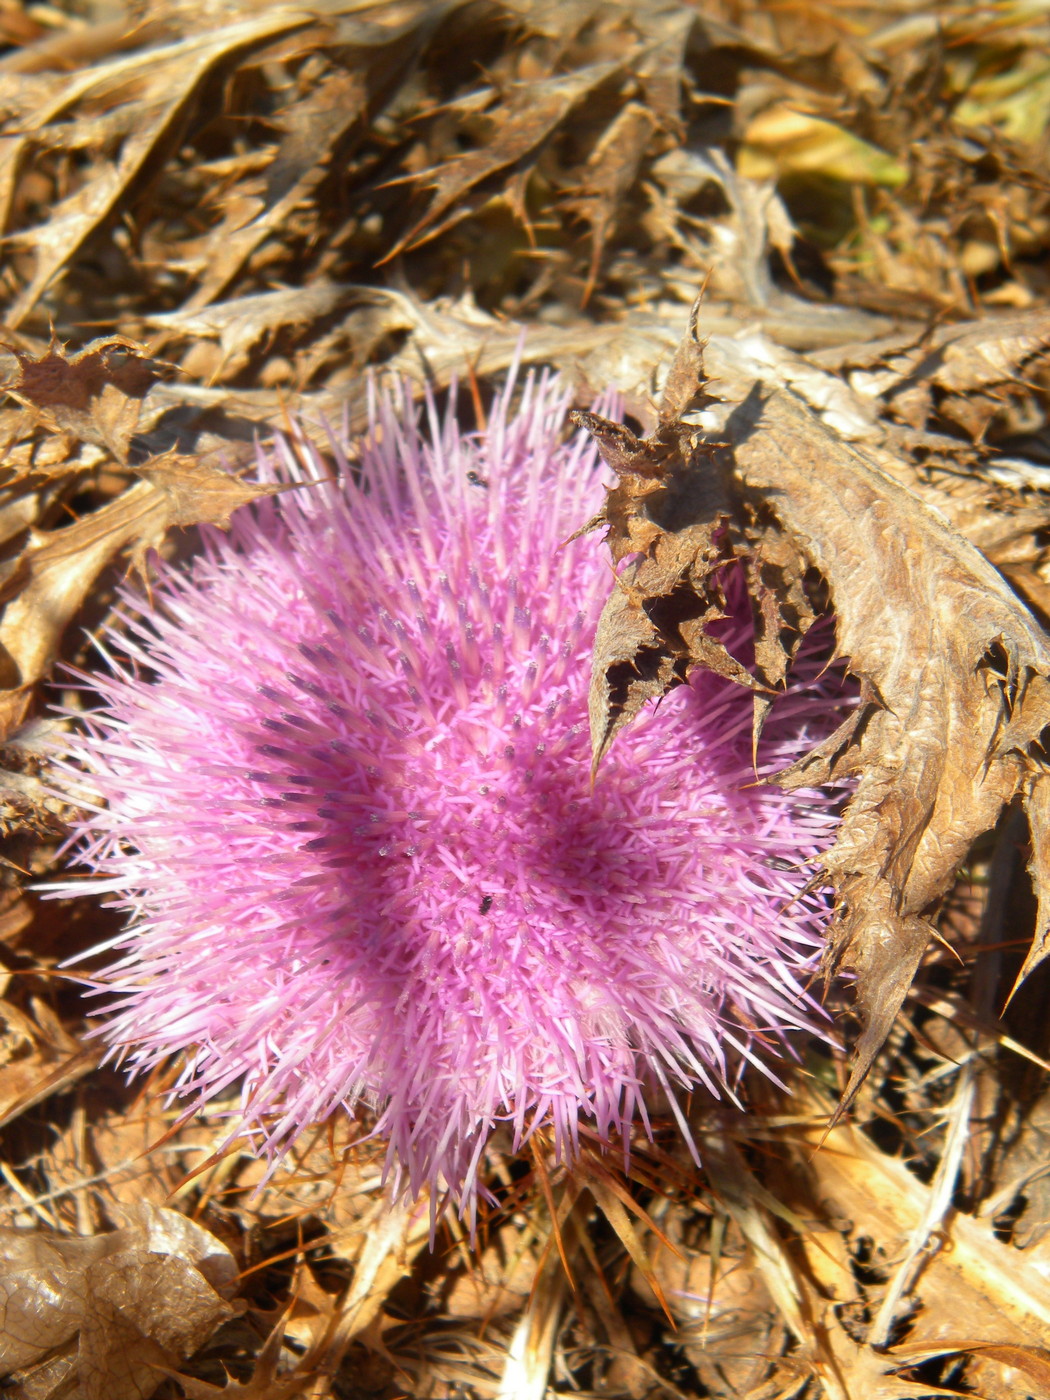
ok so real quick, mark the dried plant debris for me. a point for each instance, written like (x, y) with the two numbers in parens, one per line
(556, 157)
(95, 397)
(102, 1317)
(953, 669)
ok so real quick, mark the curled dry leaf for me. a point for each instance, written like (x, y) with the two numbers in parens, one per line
(58, 567)
(611, 171)
(100, 1317)
(953, 669)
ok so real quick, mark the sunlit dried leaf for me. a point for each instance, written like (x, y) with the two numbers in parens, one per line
(611, 171)
(312, 129)
(172, 74)
(526, 117)
(95, 394)
(191, 491)
(397, 1234)
(55, 571)
(960, 358)
(115, 1307)
(783, 140)
(1027, 1362)
(240, 323)
(983, 1286)
(665, 34)
(529, 1352)
(848, 1369)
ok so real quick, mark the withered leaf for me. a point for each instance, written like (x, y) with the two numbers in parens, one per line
(171, 74)
(265, 1383)
(238, 324)
(193, 491)
(528, 114)
(108, 1313)
(666, 36)
(57, 568)
(95, 394)
(954, 671)
(313, 129)
(611, 171)
(974, 355)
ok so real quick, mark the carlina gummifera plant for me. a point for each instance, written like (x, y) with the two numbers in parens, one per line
(339, 783)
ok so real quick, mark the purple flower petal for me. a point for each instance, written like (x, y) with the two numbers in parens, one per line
(343, 794)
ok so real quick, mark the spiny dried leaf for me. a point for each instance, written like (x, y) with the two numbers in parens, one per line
(111, 1309)
(171, 75)
(191, 491)
(57, 568)
(264, 1383)
(312, 130)
(527, 114)
(612, 169)
(95, 394)
(988, 354)
(239, 323)
(978, 1285)
(397, 1234)
(954, 671)
(994, 1368)
(849, 1369)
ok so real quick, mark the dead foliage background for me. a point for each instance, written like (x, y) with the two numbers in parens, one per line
(215, 213)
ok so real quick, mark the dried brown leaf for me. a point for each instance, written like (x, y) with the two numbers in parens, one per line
(265, 1383)
(954, 671)
(312, 129)
(56, 570)
(116, 1307)
(660, 68)
(192, 491)
(397, 1234)
(240, 323)
(612, 169)
(527, 115)
(984, 1287)
(172, 74)
(1000, 1366)
(95, 394)
(37, 1064)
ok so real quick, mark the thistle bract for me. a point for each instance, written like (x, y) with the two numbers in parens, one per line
(343, 794)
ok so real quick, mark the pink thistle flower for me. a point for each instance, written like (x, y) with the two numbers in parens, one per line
(342, 791)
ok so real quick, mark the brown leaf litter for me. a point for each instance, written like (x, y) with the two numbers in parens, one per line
(100, 1315)
(95, 396)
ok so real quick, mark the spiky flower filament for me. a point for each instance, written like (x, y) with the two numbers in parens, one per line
(345, 803)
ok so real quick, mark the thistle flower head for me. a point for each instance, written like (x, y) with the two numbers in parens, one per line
(343, 795)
